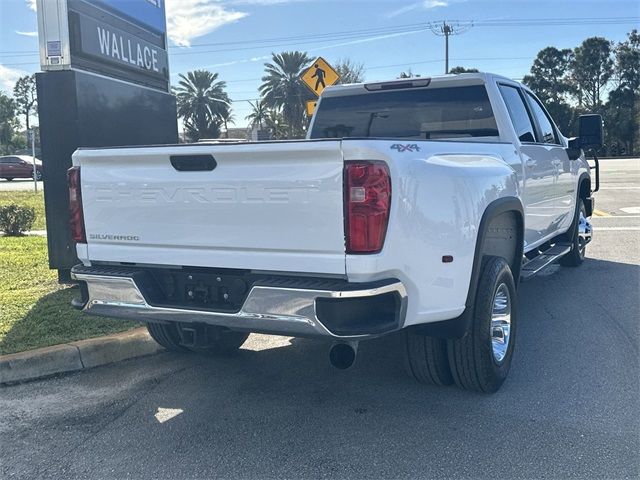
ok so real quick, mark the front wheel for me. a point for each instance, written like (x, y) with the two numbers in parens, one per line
(9, 179)
(38, 175)
(580, 236)
(480, 361)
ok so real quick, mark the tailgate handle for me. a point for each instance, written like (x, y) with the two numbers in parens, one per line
(193, 163)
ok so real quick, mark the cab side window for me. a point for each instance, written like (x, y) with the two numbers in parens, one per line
(518, 113)
(547, 132)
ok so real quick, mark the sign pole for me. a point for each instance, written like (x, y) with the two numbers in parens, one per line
(32, 136)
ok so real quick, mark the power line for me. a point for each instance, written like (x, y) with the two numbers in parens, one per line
(445, 30)
(277, 41)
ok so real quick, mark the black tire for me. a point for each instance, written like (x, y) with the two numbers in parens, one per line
(38, 175)
(426, 358)
(10, 179)
(167, 335)
(472, 360)
(576, 256)
(222, 341)
(218, 340)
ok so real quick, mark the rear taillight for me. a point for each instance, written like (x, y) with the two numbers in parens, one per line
(367, 203)
(76, 217)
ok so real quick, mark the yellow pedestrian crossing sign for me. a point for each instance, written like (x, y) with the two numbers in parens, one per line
(311, 107)
(319, 76)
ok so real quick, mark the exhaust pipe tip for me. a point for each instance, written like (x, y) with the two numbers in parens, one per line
(343, 355)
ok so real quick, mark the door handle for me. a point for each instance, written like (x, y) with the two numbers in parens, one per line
(531, 163)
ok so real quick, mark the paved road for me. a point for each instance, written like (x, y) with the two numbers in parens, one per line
(18, 184)
(568, 410)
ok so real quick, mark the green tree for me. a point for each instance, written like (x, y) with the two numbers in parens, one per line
(9, 123)
(258, 115)
(282, 89)
(622, 111)
(456, 70)
(26, 98)
(276, 124)
(202, 103)
(227, 118)
(592, 68)
(550, 80)
(621, 121)
(627, 63)
(408, 74)
(349, 71)
(550, 74)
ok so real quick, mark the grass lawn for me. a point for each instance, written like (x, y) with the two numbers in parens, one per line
(34, 309)
(27, 199)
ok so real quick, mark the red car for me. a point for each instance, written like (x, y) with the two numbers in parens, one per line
(19, 166)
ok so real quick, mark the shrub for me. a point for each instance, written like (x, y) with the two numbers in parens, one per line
(15, 219)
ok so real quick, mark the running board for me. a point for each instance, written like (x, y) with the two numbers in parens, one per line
(533, 267)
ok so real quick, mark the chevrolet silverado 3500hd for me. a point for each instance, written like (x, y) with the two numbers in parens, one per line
(414, 205)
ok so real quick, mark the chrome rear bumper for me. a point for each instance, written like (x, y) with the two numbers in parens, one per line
(289, 311)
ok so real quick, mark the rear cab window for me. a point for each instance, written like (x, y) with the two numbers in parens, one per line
(428, 113)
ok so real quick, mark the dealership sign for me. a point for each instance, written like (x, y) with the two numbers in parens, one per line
(124, 39)
(108, 43)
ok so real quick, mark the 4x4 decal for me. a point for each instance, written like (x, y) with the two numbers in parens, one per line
(405, 147)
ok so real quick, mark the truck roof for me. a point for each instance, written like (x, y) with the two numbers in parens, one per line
(442, 80)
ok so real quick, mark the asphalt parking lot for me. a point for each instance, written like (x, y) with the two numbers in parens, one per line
(568, 410)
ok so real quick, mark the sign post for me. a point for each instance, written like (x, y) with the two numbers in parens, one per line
(317, 77)
(32, 139)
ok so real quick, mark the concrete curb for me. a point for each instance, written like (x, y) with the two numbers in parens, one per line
(73, 356)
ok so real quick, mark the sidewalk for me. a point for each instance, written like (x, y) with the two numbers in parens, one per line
(73, 356)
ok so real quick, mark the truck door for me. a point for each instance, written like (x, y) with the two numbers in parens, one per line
(564, 187)
(539, 171)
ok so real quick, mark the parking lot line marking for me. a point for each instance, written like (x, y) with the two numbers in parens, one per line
(630, 209)
(618, 229)
(600, 213)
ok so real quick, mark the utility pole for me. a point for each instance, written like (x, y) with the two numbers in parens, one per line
(445, 30)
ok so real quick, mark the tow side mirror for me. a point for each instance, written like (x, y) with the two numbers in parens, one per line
(590, 131)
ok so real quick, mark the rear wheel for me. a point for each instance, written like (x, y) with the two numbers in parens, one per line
(180, 337)
(481, 360)
(38, 175)
(426, 358)
(167, 335)
(8, 179)
(580, 236)
(220, 341)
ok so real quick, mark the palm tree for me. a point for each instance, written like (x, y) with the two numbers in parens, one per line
(227, 118)
(202, 103)
(258, 114)
(276, 124)
(283, 89)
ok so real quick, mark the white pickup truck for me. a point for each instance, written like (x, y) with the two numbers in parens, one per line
(413, 205)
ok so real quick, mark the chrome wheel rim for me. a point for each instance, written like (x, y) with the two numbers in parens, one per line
(585, 232)
(501, 322)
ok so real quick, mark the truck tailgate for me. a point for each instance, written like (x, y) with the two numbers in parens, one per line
(265, 206)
